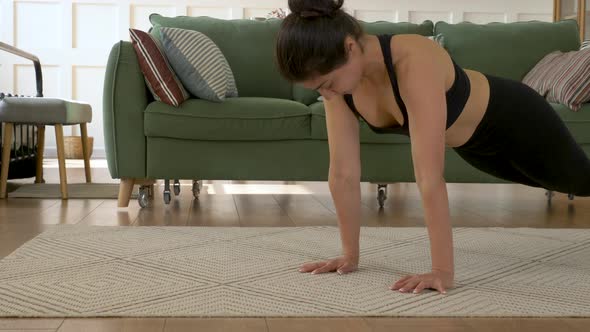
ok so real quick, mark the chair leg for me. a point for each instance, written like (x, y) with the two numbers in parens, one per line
(125, 190)
(59, 138)
(40, 152)
(86, 152)
(6, 143)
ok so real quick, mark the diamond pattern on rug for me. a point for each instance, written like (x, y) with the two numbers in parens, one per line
(164, 271)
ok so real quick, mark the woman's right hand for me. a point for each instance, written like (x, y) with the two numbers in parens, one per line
(341, 264)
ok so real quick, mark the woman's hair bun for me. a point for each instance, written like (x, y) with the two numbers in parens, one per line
(311, 8)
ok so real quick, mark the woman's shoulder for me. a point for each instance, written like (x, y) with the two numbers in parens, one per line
(406, 45)
(411, 50)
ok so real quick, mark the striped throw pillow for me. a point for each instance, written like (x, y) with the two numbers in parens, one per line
(199, 63)
(585, 45)
(159, 76)
(562, 78)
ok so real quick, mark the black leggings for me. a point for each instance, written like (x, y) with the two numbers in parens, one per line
(522, 139)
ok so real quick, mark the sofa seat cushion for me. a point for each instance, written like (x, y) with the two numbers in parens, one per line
(319, 130)
(241, 118)
(577, 122)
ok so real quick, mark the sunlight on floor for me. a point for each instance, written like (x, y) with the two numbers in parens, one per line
(293, 189)
(249, 189)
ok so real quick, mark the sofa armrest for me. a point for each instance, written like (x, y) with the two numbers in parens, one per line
(124, 101)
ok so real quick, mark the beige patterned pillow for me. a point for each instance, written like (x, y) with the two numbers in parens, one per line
(562, 78)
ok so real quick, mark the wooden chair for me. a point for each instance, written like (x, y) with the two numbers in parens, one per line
(41, 112)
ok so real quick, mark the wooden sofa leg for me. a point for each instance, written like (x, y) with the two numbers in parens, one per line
(125, 191)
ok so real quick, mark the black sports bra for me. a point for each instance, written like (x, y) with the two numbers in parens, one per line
(456, 96)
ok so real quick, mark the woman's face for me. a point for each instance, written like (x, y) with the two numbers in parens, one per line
(342, 80)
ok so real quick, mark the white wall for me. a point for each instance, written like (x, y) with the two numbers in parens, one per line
(73, 37)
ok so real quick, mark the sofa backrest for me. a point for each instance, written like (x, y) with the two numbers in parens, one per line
(503, 49)
(507, 50)
(246, 44)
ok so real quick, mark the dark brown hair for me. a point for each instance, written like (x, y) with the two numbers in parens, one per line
(311, 38)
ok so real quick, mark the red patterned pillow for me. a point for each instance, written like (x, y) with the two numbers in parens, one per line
(159, 76)
(562, 78)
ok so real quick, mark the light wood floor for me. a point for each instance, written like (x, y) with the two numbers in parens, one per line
(249, 203)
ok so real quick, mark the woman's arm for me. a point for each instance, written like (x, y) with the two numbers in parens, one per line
(344, 171)
(422, 76)
(346, 195)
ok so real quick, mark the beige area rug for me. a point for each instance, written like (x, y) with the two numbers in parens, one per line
(75, 190)
(125, 271)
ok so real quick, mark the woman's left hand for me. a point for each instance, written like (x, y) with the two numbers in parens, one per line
(437, 280)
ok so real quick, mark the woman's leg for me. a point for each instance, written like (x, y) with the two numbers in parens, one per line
(534, 140)
(545, 151)
(496, 165)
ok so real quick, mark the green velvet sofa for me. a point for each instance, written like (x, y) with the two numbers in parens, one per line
(276, 130)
